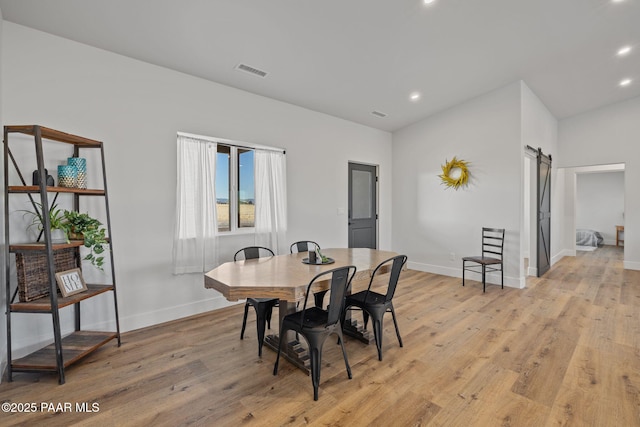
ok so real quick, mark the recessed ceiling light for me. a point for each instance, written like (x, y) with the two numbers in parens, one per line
(414, 96)
(625, 82)
(617, 1)
(624, 50)
(429, 1)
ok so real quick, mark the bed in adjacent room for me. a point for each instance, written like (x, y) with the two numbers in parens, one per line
(589, 238)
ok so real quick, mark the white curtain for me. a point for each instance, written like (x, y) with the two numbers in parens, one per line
(195, 235)
(271, 200)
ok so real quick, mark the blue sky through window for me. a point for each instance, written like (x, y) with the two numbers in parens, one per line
(247, 188)
(246, 184)
(222, 177)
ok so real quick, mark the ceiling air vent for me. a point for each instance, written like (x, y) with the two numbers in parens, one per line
(251, 70)
(379, 114)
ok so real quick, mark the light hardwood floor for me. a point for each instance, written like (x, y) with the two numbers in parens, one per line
(563, 351)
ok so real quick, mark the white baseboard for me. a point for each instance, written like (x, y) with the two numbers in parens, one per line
(435, 269)
(493, 278)
(563, 253)
(151, 318)
(631, 265)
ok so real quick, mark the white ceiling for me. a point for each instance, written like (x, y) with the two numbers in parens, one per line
(348, 58)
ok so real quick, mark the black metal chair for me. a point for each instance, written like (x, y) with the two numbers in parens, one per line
(316, 324)
(263, 306)
(375, 304)
(491, 258)
(306, 246)
(303, 246)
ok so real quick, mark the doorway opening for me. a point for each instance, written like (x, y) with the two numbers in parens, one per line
(596, 204)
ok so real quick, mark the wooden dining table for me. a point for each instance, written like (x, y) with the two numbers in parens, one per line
(286, 277)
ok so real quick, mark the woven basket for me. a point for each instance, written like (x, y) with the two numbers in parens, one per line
(33, 274)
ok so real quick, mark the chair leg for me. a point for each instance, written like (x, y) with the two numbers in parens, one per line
(315, 343)
(343, 316)
(261, 321)
(377, 333)
(244, 320)
(344, 352)
(484, 272)
(463, 268)
(365, 317)
(268, 315)
(395, 322)
(502, 275)
(275, 366)
(315, 354)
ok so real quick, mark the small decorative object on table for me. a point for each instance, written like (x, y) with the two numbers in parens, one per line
(67, 176)
(71, 282)
(317, 258)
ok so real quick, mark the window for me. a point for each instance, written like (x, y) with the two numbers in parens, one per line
(216, 192)
(235, 189)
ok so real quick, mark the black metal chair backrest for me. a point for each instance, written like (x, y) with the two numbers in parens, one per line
(252, 252)
(304, 246)
(398, 262)
(340, 279)
(492, 242)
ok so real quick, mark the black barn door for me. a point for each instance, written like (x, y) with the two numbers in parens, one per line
(544, 213)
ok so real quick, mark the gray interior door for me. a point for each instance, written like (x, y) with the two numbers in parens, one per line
(544, 212)
(363, 215)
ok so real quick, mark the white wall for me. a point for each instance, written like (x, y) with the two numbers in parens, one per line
(539, 130)
(136, 109)
(436, 226)
(600, 203)
(609, 135)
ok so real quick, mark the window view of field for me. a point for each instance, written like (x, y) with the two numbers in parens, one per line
(234, 169)
(247, 215)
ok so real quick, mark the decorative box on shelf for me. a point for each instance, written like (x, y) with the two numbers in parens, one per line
(32, 271)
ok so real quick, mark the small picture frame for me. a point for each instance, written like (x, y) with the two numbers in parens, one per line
(71, 282)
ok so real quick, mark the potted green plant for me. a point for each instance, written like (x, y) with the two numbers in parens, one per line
(74, 225)
(81, 226)
(57, 222)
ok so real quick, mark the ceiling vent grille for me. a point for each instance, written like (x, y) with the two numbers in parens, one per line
(251, 70)
(379, 114)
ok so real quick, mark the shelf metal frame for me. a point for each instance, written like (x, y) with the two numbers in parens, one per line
(39, 133)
